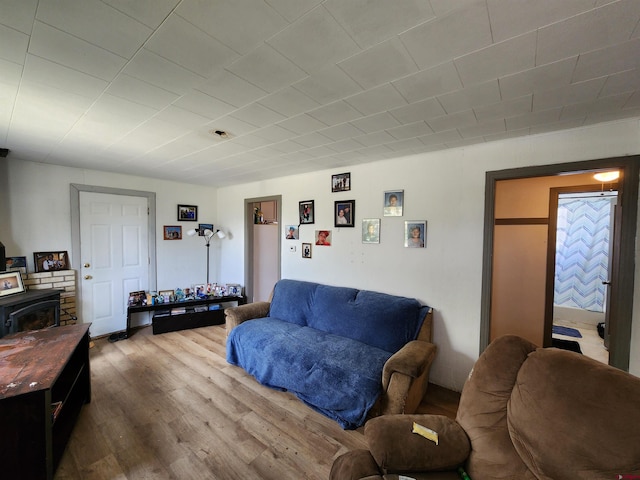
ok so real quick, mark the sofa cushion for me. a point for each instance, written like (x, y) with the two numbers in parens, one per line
(337, 376)
(378, 319)
(588, 409)
(292, 301)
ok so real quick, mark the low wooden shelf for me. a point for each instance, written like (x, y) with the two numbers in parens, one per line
(44, 381)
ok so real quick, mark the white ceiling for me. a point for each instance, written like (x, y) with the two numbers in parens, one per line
(136, 86)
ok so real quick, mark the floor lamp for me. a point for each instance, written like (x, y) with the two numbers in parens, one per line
(208, 235)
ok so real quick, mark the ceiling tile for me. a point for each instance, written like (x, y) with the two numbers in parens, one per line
(313, 139)
(13, 45)
(131, 88)
(314, 41)
(258, 115)
(453, 35)
(376, 100)
(621, 82)
(429, 83)
(471, 97)
(372, 21)
(440, 137)
(62, 48)
(181, 117)
(377, 138)
(575, 93)
(335, 113)
(342, 131)
(239, 24)
(377, 122)
(498, 60)
(96, 23)
(19, 14)
(505, 108)
(275, 133)
(231, 89)
(588, 31)
(481, 129)
(293, 9)
(267, 69)
(408, 144)
(178, 41)
(289, 101)
(410, 130)
(150, 12)
(455, 120)
(203, 104)
(328, 85)
(302, 124)
(158, 71)
(379, 64)
(417, 111)
(531, 119)
(10, 75)
(602, 105)
(546, 77)
(510, 17)
(40, 71)
(232, 125)
(345, 145)
(608, 60)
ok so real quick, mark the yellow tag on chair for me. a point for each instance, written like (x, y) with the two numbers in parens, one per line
(425, 432)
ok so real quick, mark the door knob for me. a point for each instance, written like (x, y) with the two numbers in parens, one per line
(606, 282)
(86, 265)
(88, 277)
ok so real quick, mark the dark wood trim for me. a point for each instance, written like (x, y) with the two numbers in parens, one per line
(622, 300)
(522, 221)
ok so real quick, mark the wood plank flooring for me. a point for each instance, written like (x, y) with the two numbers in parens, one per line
(170, 407)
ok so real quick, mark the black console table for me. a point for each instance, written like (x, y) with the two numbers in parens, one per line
(189, 318)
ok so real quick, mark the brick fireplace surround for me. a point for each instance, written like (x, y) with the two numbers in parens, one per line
(63, 280)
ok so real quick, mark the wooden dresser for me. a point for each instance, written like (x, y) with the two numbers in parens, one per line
(44, 381)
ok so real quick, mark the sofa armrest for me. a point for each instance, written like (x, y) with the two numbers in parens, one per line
(355, 465)
(396, 449)
(405, 378)
(234, 316)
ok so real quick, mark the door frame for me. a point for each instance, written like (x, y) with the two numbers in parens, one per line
(76, 252)
(614, 245)
(248, 244)
(623, 274)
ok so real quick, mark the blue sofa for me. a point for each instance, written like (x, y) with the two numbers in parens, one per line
(349, 354)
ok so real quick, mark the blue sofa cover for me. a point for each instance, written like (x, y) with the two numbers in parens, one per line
(327, 345)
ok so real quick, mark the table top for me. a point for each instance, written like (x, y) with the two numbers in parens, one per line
(33, 360)
(185, 303)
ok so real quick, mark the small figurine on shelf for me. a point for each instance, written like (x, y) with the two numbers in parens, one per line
(179, 295)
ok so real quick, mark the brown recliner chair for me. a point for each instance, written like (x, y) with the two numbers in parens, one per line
(525, 413)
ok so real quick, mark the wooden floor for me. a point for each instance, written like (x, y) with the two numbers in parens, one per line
(170, 407)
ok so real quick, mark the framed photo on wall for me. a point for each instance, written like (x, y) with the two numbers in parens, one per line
(172, 232)
(393, 203)
(16, 262)
(187, 213)
(10, 283)
(50, 261)
(341, 182)
(306, 250)
(344, 213)
(307, 212)
(370, 230)
(291, 232)
(204, 226)
(415, 234)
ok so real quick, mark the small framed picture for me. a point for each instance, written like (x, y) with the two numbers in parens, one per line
(307, 212)
(415, 234)
(166, 295)
(204, 226)
(137, 299)
(370, 230)
(234, 290)
(16, 262)
(50, 261)
(10, 283)
(341, 182)
(393, 203)
(187, 213)
(306, 250)
(344, 213)
(200, 290)
(323, 237)
(292, 232)
(172, 232)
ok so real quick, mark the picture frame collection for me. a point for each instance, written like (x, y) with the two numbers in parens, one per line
(344, 216)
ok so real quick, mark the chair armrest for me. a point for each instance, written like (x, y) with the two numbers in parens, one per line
(234, 316)
(355, 465)
(396, 449)
(412, 360)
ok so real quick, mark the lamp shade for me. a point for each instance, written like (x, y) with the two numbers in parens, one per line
(192, 232)
(220, 234)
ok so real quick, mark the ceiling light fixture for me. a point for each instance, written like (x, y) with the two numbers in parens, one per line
(607, 177)
(220, 133)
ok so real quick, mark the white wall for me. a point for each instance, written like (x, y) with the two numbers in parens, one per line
(446, 189)
(36, 206)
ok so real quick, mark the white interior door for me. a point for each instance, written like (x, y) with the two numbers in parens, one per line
(115, 257)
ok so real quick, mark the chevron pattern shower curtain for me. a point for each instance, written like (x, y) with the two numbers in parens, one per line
(582, 252)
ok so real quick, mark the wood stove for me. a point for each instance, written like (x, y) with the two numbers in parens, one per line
(32, 310)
